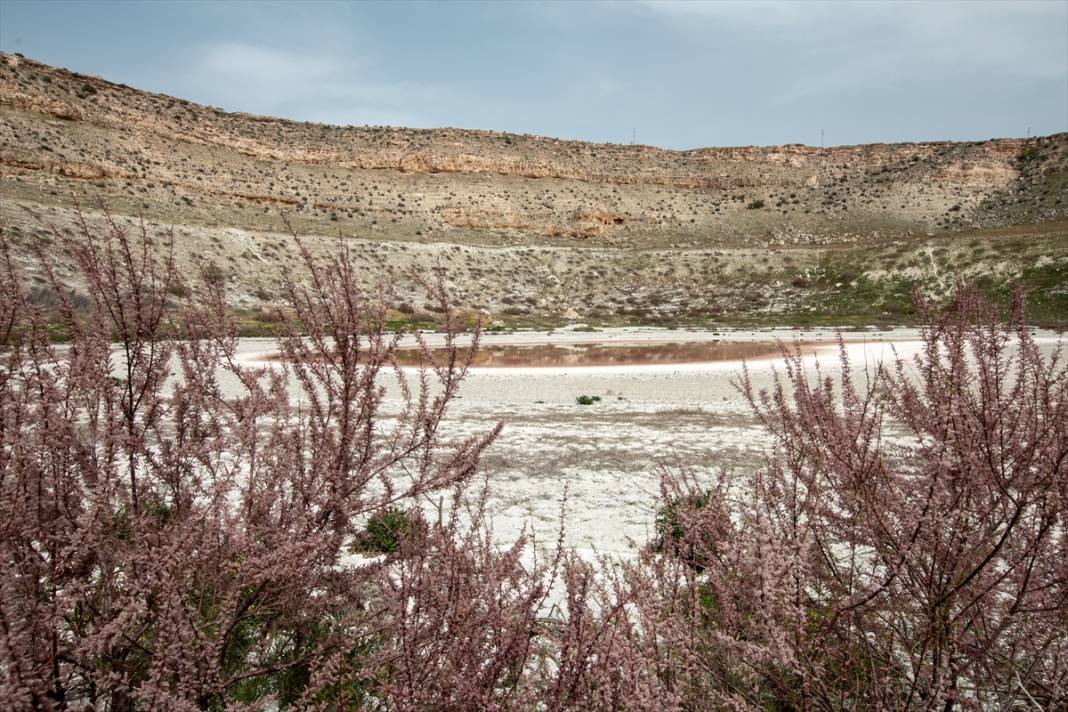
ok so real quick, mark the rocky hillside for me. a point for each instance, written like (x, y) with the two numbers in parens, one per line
(647, 225)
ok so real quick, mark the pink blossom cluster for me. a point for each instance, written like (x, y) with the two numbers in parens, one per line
(171, 543)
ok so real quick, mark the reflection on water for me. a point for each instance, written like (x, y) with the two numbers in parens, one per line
(544, 355)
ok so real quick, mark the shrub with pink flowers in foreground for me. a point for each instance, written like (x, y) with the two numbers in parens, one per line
(182, 531)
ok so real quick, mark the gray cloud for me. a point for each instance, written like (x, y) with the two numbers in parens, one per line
(322, 88)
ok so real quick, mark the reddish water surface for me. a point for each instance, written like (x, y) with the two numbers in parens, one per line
(549, 355)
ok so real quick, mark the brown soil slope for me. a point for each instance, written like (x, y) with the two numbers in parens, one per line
(637, 222)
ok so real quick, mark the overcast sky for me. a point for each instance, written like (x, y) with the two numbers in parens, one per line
(680, 74)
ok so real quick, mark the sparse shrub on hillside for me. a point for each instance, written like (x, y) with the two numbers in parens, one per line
(1028, 154)
(213, 275)
(177, 288)
(755, 205)
(587, 400)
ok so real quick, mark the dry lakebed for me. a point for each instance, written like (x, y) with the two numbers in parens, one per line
(667, 399)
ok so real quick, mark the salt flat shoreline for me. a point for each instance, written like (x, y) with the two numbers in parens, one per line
(815, 344)
(608, 456)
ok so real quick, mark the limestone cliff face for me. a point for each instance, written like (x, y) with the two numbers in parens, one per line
(65, 134)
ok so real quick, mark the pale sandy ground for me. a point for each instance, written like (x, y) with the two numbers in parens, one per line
(609, 456)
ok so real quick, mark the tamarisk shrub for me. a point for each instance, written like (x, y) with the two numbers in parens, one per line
(176, 525)
(903, 548)
(168, 543)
